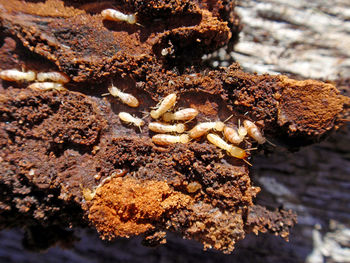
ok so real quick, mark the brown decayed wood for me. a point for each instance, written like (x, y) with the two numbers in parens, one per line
(56, 144)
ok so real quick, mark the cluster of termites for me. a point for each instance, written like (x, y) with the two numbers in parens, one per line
(231, 135)
(168, 125)
(171, 126)
(129, 100)
(171, 129)
(42, 81)
(170, 120)
(229, 142)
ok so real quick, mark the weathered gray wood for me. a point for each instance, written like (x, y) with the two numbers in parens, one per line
(310, 39)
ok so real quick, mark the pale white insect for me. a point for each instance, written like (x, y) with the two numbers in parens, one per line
(164, 128)
(128, 118)
(231, 149)
(53, 76)
(46, 86)
(202, 128)
(242, 132)
(115, 15)
(181, 115)
(232, 135)
(166, 104)
(126, 98)
(16, 75)
(254, 132)
(167, 139)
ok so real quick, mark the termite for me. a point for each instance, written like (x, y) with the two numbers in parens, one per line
(126, 98)
(202, 128)
(127, 117)
(231, 149)
(46, 86)
(115, 15)
(166, 139)
(181, 115)
(254, 132)
(166, 104)
(242, 132)
(16, 75)
(232, 135)
(54, 76)
(164, 128)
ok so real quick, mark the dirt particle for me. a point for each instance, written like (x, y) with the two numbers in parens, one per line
(193, 187)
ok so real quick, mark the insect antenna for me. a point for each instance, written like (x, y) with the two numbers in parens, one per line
(246, 141)
(145, 114)
(269, 142)
(247, 162)
(228, 118)
(107, 94)
(251, 149)
(189, 120)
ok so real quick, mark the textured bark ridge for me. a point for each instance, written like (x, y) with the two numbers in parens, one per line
(67, 159)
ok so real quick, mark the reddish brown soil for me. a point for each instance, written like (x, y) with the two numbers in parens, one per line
(127, 206)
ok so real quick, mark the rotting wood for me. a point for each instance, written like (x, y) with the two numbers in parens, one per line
(39, 121)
